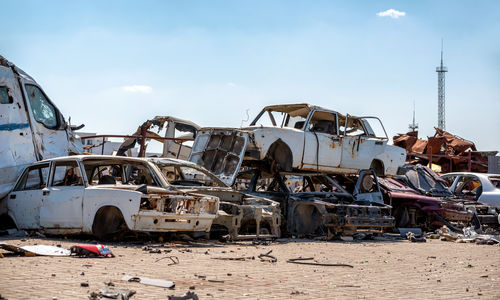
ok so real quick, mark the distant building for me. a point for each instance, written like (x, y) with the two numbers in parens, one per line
(94, 145)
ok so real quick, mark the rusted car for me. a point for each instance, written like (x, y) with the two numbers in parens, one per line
(176, 129)
(316, 204)
(411, 209)
(240, 216)
(105, 196)
(426, 182)
(299, 137)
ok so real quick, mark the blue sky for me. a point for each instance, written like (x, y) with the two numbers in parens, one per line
(114, 64)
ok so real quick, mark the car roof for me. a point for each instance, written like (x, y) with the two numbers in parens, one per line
(296, 108)
(94, 157)
(484, 175)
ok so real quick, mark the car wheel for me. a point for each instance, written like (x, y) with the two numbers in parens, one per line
(409, 217)
(378, 167)
(108, 224)
(280, 157)
(306, 220)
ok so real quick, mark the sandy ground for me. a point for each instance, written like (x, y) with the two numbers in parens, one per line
(391, 269)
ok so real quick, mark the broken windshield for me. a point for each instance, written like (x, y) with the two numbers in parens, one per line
(271, 118)
(362, 126)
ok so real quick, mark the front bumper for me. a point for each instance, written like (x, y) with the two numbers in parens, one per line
(151, 221)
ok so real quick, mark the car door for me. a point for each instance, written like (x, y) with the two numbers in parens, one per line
(25, 200)
(63, 199)
(322, 147)
(359, 145)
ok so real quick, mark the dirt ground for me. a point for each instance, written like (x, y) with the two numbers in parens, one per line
(388, 269)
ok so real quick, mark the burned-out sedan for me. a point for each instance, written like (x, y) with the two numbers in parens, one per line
(423, 180)
(105, 196)
(240, 216)
(316, 204)
(414, 210)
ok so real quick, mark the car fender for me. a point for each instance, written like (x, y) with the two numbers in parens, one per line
(293, 138)
(392, 158)
(128, 202)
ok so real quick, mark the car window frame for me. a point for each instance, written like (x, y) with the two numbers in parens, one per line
(58, 117)
(25, 173)
(53, 169)
(310, 116)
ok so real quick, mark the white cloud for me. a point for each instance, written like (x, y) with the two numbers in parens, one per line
(138, 89)
(395, 14)
(231, 84)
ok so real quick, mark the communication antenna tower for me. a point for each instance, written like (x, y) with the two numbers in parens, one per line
(413, 126)
(441, 70)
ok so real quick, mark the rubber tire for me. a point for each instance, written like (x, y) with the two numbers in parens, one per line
(108, 224)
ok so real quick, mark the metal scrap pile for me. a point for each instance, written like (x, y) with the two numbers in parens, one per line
(450, 152)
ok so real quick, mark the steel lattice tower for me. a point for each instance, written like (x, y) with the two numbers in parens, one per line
(441, 70)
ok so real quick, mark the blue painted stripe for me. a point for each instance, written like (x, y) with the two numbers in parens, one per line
(10, 127)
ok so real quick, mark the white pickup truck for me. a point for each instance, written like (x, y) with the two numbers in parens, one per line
(299, 137)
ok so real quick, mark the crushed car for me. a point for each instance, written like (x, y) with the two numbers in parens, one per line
(240, 216)
(298, 137)
(481, 187)
(316, 204)
(105, 196)
(411, 209)
(426, 182)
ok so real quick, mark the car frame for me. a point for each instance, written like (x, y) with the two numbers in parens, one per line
(329, 213)
(240, 215)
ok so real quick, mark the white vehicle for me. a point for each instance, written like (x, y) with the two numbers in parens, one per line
(105, 196)
(31, 126)
(299, 137)
(480, 187)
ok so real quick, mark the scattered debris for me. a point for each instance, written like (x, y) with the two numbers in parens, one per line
(469, 235)
(417, 232)
(113, 292)
(306, 261)
(186, 296)
(155, 250)
(271, 258)
(235, 258)
(412, 238)
(91, 251)
(149, 281)
(174, 260)
(298, 293)
(33, 250)
(215, 281)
